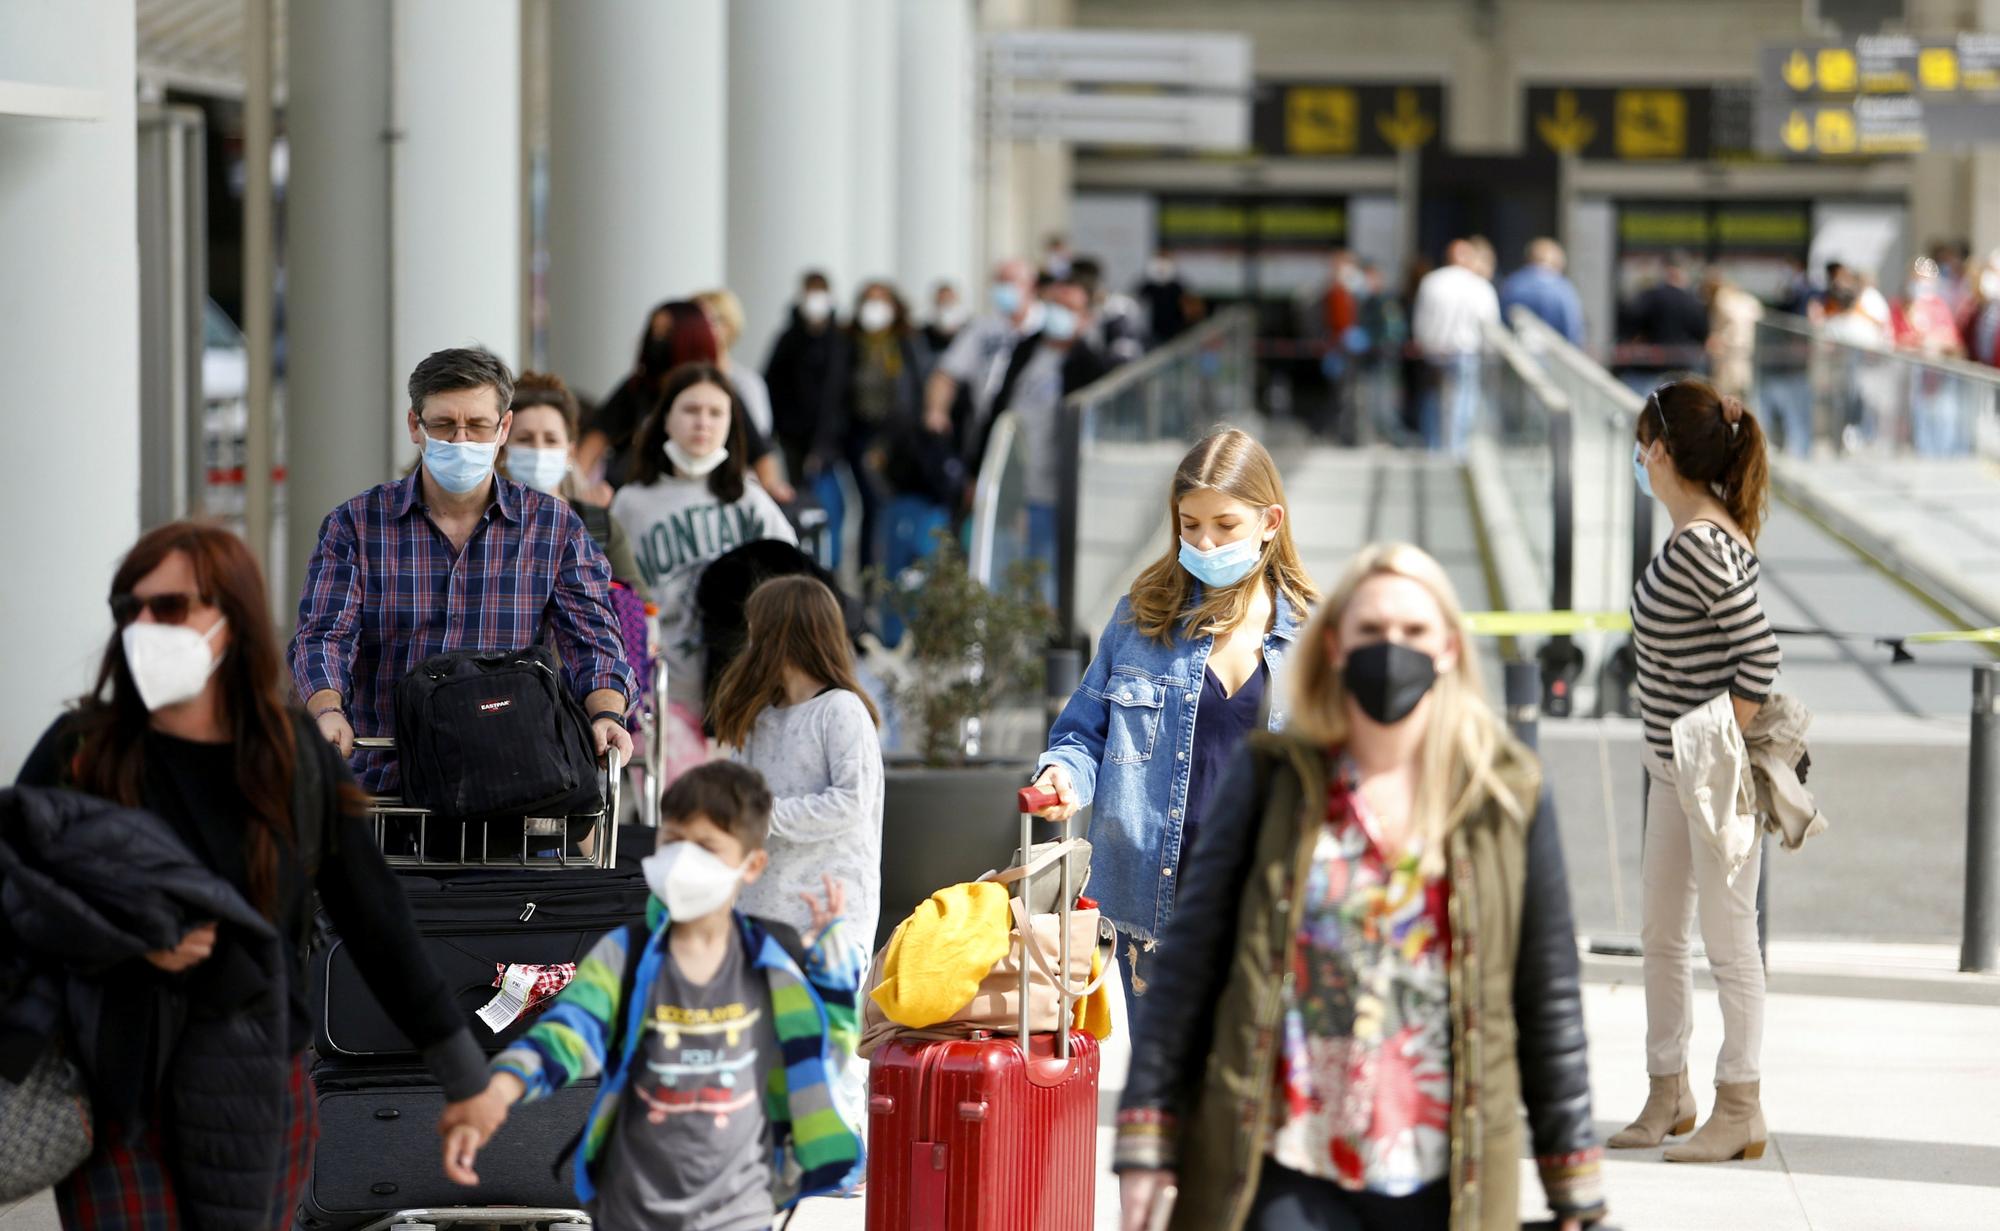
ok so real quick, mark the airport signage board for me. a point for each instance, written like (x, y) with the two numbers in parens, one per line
(1880, 94)
(1626, 123)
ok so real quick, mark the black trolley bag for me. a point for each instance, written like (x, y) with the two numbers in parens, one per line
(478, 906)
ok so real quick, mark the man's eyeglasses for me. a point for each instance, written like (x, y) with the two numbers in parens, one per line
(479, 431)
(166, 608)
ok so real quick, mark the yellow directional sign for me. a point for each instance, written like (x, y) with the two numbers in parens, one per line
(1798, 72)
(1798, 133)
(1407, 127)
(1836, 70)
(1937, 68)
(1833, 131)
(1650, 124)
(1322, 120)
(1568, 130)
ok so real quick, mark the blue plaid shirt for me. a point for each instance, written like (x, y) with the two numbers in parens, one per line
(384, 591)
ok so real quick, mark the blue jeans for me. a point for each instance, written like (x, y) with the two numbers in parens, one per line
(1451, 406)
(1289, 1201)
(1043, 545)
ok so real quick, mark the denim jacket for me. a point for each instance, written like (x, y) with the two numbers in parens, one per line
(1126, 739)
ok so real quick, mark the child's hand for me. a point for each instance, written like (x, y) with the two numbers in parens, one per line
(469, 1124)
(825, 911)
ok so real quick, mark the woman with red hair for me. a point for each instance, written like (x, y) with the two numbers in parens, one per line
(190, 720)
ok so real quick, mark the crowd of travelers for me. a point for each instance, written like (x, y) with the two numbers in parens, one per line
(1341, 909)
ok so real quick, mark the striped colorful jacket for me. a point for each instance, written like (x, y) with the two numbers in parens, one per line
(817, 1142)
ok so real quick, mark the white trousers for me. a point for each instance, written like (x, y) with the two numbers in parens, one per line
(1684, 878)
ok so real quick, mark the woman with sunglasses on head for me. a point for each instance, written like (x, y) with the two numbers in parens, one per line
(1699, 634)
(190, 721)
(1373, 964)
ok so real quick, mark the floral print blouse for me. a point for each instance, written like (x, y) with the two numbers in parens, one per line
(1365, 1073)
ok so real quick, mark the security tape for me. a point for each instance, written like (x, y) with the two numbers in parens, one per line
(1570, 623)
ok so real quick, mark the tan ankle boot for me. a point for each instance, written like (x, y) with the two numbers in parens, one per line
(1735, 1129)
(1669, 1111)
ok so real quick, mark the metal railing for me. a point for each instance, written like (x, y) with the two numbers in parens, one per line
(1829, 396)
(1112, 441)
(1613, 526)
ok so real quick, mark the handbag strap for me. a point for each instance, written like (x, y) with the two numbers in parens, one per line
(1025, 931)
(1039, 863)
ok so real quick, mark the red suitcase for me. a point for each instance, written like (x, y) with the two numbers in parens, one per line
(981, 1135)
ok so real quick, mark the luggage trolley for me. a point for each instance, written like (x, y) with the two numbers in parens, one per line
(404, 831)
(527, 1218)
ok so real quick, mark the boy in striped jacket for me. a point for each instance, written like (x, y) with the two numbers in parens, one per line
(715, 1038)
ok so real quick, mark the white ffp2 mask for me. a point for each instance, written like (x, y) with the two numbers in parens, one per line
(691, 881)
(170, 663)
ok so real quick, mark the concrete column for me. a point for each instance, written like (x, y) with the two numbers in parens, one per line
(69, 259)
(791, 152)
(1983, 200)
(403, 229)
(935, 88)
(875, 208)
(455, 181)
(638, 174)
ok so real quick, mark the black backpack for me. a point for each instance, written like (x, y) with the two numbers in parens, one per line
(486, 735)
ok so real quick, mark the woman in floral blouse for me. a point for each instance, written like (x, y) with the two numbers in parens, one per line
(1373, 963)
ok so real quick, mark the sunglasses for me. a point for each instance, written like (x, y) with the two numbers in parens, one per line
(166, 608)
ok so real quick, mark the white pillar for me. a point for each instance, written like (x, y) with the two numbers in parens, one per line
(875, 204)
(69, 260)
(790, 154)
(935, 110)
(402, 238)
(456, 221)
(637, 174)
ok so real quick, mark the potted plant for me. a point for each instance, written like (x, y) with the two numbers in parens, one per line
(948, 810)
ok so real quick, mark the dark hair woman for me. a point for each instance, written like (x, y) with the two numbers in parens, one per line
(189, 721)
(1700, 636)
(678, 332)
(877, 384)
(1373, 962)
(690, 501)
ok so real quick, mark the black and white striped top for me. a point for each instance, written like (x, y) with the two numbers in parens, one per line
(1698, 630)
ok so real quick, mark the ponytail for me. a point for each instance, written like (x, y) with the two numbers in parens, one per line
(1746, 481)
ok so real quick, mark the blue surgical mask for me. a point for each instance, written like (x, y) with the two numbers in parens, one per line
(460, 466)
(1006, 299)
(1058, 323)
(1222, 566)
(1639, 474)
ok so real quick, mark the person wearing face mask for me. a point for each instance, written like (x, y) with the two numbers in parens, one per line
(977, 357)
(877, 379)
(1044, 368)
(1166, 299)
(190, 721)
(1925, 322)
(690, 500)
(541, 452)
(1373, 963)
(452, 556)
(721, 1040)
(1185, 668)
(798, 372)
(1701, 640)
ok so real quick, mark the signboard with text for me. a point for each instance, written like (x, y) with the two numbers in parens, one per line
(1638, 123)
(1881, 94)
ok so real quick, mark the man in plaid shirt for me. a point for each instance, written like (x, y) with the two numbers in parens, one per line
(452, 557)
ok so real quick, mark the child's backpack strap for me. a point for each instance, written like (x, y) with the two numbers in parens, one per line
(614, 1038)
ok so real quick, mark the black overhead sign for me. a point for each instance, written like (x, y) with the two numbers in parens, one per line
(1882, 94)
(1345, 119)
(1637, 123)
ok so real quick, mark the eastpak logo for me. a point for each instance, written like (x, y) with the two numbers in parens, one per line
(494, 707)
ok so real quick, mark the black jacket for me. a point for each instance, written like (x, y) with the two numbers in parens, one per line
(841, 430)
(86, 887)
(799, 376)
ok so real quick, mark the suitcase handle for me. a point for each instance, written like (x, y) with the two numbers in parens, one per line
(1030, 799)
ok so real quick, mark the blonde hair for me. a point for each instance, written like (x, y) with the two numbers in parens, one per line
(1231, 462)
(726, 310)
(1465, 746)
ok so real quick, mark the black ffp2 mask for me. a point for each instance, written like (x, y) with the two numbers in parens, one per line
(1388, 680)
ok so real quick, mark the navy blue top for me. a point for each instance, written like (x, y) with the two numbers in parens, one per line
(1221, 722)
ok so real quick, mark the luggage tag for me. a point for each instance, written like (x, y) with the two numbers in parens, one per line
(522, 988)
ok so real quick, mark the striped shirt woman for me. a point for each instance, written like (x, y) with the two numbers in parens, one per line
(1699, 630)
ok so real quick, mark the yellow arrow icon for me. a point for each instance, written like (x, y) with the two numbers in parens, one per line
(1407, 127)
(1568, 130)
(1797, 133)
(1799, 72)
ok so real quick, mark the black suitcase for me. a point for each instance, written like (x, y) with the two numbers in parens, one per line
(379, 1150)
(470, 921)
